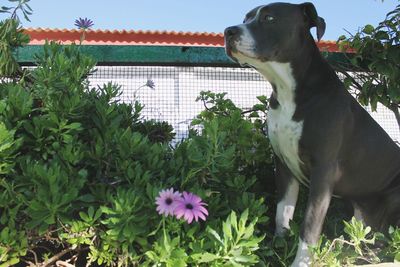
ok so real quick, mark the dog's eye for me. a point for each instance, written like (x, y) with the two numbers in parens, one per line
(269, 18)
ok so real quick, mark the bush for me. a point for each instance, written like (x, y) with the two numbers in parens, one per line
(80, 173)
(375, 64)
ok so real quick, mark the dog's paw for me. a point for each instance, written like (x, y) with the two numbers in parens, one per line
(301, 261)
(303, 257)
(301, 264)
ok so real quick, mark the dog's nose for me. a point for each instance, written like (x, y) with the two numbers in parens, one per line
(231, 31)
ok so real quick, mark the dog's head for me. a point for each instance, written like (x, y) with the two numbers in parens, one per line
(274, 32)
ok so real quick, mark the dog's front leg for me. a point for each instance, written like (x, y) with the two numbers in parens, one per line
(288, 190)
(321, 187)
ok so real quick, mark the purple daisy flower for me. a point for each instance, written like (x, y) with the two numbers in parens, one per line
(190, 206)
(150, 83)
(167, 201)
(84, 24)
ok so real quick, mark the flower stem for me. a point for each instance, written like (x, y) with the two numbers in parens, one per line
(165, 233)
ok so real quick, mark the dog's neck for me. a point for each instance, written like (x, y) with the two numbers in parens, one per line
(301, 77)
(305, 75)
(280, 75)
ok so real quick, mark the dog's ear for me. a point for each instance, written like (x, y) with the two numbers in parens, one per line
(314, 21)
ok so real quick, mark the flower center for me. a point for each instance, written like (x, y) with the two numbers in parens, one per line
(168, 201)
(189, 206)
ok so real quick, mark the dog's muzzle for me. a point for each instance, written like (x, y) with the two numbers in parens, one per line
(231, 36)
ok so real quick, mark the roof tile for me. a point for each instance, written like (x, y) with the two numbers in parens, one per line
(138, 37)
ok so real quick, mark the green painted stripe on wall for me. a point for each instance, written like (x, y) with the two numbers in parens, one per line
(152, 55)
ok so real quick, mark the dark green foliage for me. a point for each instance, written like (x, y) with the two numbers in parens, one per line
(65, 147)
(21, 5)
(80, 167)
(375, 66)
(156, 131)
(11, 37)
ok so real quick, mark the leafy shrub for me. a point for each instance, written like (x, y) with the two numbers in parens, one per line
(374, 67)
(80, 172)
(156, 131)
(10, 38)
(361, 247)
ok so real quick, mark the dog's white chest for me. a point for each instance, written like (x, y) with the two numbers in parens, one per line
(284, 133)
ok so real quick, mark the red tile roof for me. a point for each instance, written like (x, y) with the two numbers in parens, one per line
(106, 37)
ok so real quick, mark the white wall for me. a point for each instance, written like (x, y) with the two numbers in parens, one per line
(176, 89)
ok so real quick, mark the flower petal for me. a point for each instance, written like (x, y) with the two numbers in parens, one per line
(189, 216)
(186, 195)
(203, 210)
(196, 198)
(201, 216)
(179, 212)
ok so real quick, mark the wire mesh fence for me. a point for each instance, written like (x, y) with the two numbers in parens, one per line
(173, 97)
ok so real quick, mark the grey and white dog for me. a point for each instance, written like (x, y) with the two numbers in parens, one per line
(321, 136)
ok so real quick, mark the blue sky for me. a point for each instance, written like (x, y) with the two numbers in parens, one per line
(190, 15)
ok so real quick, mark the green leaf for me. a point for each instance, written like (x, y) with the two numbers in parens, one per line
(246, 259)
(368, 29)
(152, 256)
(249, 231)
(10, 262)
(87, 198)
(97, 214)
(176, 263)
(5, 234)
(50, 219)
(226, 228)
(233, 220)
(252, 242)
(381, 35)
(397, 257)
(206, 257)
(178, 253)
(243, 219)
(263, 99)
(4, 8)
(215, 235)
(234, 263)
(73, 126)
(84, 216)
(90, 211)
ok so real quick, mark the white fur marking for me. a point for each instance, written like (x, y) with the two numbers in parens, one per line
(303, 258)
(283, 131)
(285, 208)
(358, 214)
(245, 44)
